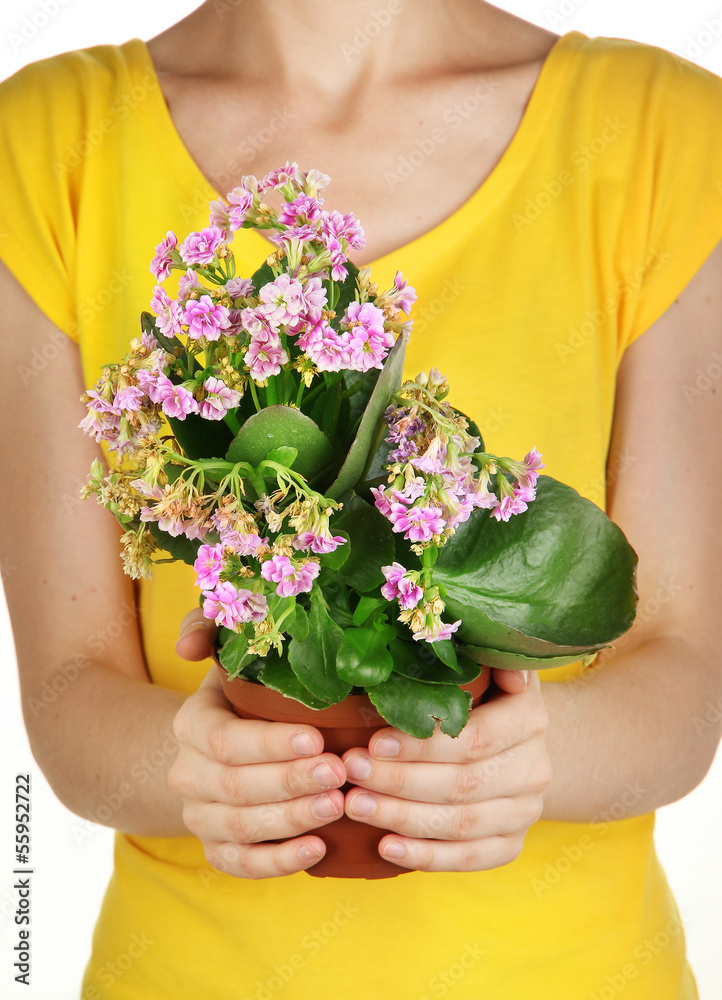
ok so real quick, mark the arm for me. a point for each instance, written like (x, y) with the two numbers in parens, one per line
(638, 717)
(91, 714)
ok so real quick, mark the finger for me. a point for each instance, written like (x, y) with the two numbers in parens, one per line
(197, 636)
(492, 727)
(198, 777)
(450, 856)
(506, 773)
(217, 822)
(265, 860)
(444, 822)
(219, 734)
(511, 681)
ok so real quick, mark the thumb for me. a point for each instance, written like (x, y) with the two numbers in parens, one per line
(197, 636)
(511, 681)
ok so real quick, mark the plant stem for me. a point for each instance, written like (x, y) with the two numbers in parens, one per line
(254, 393)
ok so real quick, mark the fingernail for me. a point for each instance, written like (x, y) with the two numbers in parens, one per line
(523, 675)
(394, 850)
(307, 853)
(324, 807)
(191, 627)
(358, 767)
(387, 747)
(363, 804)
(323, 774)
(303, 744)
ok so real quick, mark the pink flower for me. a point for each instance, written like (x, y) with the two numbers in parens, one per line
(291, 578)
(403, 296)
(160, 266)
(204, 318)
(325, 348)
(219, 399)
(239, 287)
(241, 202)
(515, 504)
(228, 606)
(277, 568)
(533, 462)
(282, 300)
(303, 208)
(208, 566)
(265, 356)
(200, 248)
(168, 311)
(244, 544)
(400, 587)
(129, 398)
(278, 178)
(176, 400)
(334, 224)
(367, 349)
(317, 543)
(382, 500)
(186, 282)
(436, 631)
(304, 233)
(420, 524)
(151, 384)
(218, 217)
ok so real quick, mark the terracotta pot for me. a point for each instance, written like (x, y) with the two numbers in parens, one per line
(351, 847)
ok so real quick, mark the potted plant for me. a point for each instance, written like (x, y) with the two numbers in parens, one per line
(361, 552)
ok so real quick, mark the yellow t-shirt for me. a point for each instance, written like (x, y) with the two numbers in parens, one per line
(606, 202)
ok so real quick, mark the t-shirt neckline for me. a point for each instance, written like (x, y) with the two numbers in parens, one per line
(178, 159)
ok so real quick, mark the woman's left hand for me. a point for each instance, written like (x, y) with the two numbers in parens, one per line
(462, 804)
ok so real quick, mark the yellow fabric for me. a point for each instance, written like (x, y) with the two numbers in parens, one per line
(602, 208)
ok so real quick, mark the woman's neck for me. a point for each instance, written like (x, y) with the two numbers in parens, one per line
(326, 48)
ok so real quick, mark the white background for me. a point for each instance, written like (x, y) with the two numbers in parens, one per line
(73, 859)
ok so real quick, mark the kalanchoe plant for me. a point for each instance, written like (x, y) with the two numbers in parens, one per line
(326, 552)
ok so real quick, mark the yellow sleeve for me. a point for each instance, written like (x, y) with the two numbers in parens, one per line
(38, 138)
(673, 204)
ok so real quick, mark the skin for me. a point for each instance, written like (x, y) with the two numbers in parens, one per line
(564, 751)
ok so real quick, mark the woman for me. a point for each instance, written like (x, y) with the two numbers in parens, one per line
(537, 190)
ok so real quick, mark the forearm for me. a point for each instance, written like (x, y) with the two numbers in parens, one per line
(631, 733)
(105, 744)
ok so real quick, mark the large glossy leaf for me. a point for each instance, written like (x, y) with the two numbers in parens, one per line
(371, 428)
(556, 580)
(201, 438)
(233, 654)
(314, 660)
(371, 544)
(415, 707)
(502, 660)
(282, 426)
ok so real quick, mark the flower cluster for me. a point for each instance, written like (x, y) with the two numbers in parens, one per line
(437, 477)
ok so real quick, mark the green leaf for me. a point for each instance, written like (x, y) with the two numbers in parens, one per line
(418, 662)
(298, 625)
(337, 596)
(556, 580)
(363, 659)
(277, 675)
(282, 426)
(180, 547)
(234, 656)
(371, 542)
(414, 707)
(445, 650)
(314, 660)
(201, 438)
(372, 426)
(503, 660)
(283, 455)
(366, 606)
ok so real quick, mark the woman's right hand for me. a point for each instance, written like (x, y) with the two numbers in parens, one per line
(245, 782)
